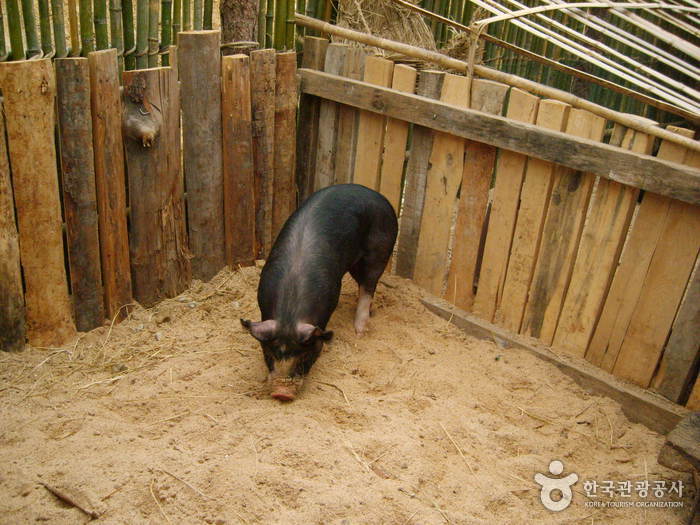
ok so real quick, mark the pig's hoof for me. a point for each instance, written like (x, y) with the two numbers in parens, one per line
(360, 328)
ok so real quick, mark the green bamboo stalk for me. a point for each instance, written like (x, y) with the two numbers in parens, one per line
(87, 35)
(15, 25)
(301, 31)
(177, 19)
(311, 8)
(467, 13)
(74, 28)
(262, 7)
(116, 29)
(280, 25)
(269, 23)
(4, 54)
(153, 13)
(165, 30)
(197, 15)
(141, 34)
(187, 15)
(59, 28)
(128, 29)
(208, 13)
(289, 26)
(45, 28)
(101, 33)
(438, 25)
(33, 47)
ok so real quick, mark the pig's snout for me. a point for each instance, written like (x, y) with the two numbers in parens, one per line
(284, 392)
(284, 388)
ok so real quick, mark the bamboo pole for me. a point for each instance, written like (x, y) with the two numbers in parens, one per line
(141, 34)
(589, 55)
(101, 34)
(269, 23)
(280, 25)
(59, 29)
(262, 8)
(550, 58)
(15, 25)
(74, 28)
(208, 14)
(629, 121)
(33, 47)
(4, 53)
(129, 39)
(197, 18)
(87, 34)
(153, 13)
(45, 29)
(177, 20)
(187, 15)
(116, 29)
(166, 8)
(620, 56)
(289, 25)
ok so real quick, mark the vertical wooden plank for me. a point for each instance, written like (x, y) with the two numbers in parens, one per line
(370, 134)
(662, 290)
(29, 88)
(12, 318)
(429, 85)
(571, 191)
(262, 96)
(489, 97)
(534, 199)
(160, 266)
(348, 121)
(239, 198)
(199, 65)
(110, 184)
(604, 232)
(694, 399)
(395, 141)
(79, 196)
(285, 189)
(328, 120)
(681, 353)
(444, 176)
(510, 171)
(313, 57)
(637, 253)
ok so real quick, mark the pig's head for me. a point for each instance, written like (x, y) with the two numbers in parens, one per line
(289, 352)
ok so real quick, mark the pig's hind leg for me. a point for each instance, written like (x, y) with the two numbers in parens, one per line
(367, 272)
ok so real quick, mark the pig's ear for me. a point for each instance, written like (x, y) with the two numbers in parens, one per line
(262, 331)
(307, 332)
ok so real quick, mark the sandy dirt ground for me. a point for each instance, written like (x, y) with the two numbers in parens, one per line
(165, 418)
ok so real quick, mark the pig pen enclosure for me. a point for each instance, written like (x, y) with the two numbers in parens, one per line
(570, 253)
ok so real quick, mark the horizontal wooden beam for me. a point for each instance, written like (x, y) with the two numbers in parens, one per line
(639, 405)
(623, 166)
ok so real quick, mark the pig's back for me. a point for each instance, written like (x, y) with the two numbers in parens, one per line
(329, 232)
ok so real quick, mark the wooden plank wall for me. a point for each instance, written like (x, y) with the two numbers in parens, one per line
(591, 267)
(150, 200)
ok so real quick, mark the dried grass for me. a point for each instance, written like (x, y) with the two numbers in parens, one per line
(385, 19)
(115, 351)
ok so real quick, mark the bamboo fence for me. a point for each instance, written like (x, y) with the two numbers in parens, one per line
(639, 58)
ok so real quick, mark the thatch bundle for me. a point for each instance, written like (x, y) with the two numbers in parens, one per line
(385, 19)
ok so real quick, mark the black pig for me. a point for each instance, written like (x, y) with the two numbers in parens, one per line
(339, 229)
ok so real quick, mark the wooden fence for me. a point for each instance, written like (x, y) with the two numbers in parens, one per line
(520, 212)
(202, 177)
